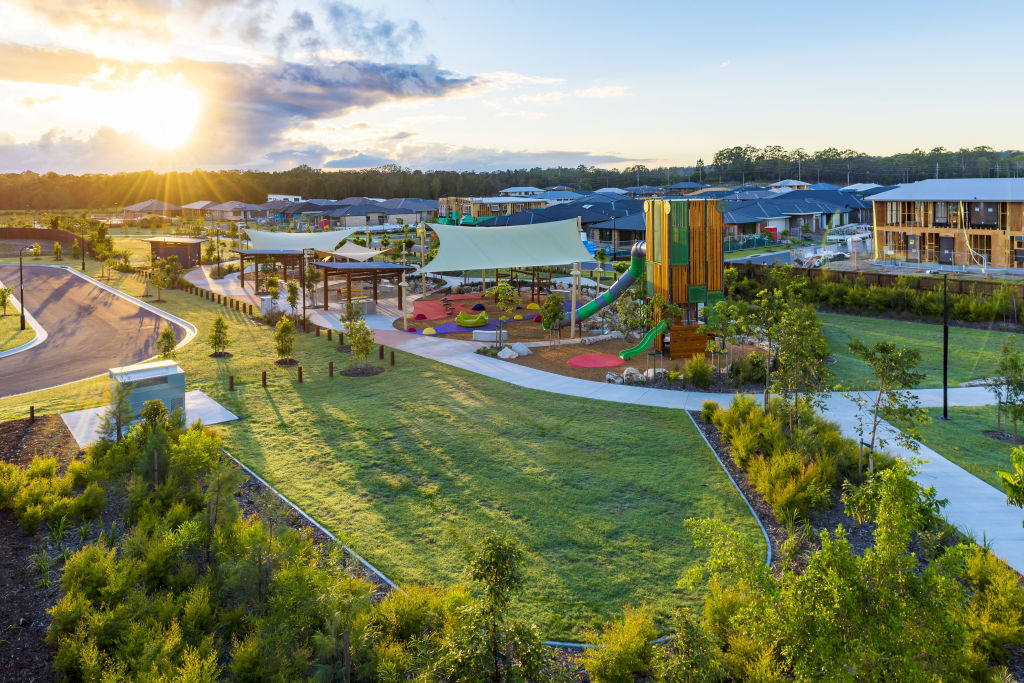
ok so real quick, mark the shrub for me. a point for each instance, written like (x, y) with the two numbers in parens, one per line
(12, 479)
(90, 504)
(697, 372)
(793, 486)
(691, 656)
(88, 572)
(708, 409)
(997, 605)
(66, 615)
(78, 473)
(41, 468)
(623, 650)
(31, 519)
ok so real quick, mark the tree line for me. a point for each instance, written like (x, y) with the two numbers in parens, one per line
(740, 164)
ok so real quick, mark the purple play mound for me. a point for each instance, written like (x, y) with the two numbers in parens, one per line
(479, 307)
(452, 326)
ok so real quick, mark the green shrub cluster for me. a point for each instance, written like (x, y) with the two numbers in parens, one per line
(904, 299)
(795, 469)
(38, 494)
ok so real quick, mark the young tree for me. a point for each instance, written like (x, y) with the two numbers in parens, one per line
(119, 415)
(274, 290)
(284, 339)
(36, 250)
(312, 275)
(58, 251)
(1008, 385)
(893, 369)
(761, 321)
(5, 298)
(802, 376)
(1014, 482)
(292, 287)
(166, 343)
(497, 565)
(601, 256)
(360, 339)
(218, 339)
(507, 299)
(552, 313)
(158, 278)
(76, 250)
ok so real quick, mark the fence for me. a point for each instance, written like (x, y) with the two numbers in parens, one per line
(39, 235)
(752, 242)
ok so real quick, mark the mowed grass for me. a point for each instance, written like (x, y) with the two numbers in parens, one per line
(11, 334)
(963, 440)
(414, 466)
(973, 353)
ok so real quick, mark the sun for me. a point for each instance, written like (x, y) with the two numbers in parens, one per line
(163, 114)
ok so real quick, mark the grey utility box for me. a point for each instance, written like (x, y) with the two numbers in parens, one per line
(161, 380)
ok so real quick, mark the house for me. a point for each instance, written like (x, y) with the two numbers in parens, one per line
(196, 208)
(955, 221)
(552, 197)
(787, 185)
(424, 209)
(235, 211)
(471, 210)
(283, 198)
(150, 207)
(558, 188)
(795, 212)
(823, 186)
(638, 191)
(519, 191)
(187, 249)
(610, 190)
(684, 187)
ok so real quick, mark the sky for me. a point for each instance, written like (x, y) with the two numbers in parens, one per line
(122, 85)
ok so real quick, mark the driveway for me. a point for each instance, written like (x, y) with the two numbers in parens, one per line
(90, 331)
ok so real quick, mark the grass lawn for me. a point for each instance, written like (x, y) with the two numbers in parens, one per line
(973, 353)
(744, 253)
(963, 440)
(414, 466)
(11, 334)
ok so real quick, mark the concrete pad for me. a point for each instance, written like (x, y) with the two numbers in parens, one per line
(198, 406)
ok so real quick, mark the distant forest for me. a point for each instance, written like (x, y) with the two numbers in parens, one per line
(735, 165)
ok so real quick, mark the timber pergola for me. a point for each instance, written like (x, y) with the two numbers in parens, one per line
(361, 272)
(286, 257)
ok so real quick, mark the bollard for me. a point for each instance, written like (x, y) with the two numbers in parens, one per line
(328, 334)
(264, 378)
(392, 357)
(231, 382)
(330, 369)
(380, 355)
(300, 374)
(318, 330)
(32, 414)
(341, 338)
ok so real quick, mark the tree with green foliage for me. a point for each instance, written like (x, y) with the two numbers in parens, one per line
(218, 339)
(159, 278)
(76, 250)
(292, 287)
(1014, 482)
(498, 566)
(360, 340)
(58, 251)
(761, 321)
(166, 343)
(312, 276)
(6, 293)
(894, 373)
(274, 291)
(507, 299)
(119, 415)
(552, 313)
(1008, 384)
(284, 339)
(35, 250)
(802, 377)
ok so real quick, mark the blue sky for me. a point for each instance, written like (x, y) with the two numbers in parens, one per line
(459, 84)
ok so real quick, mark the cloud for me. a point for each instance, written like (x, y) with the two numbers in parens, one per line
(724, 65)
(371, 32)
(603, 92)
(33, 102)
(360, 160)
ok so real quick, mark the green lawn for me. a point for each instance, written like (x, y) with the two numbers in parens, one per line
(963, 440)
(973, 353)
(414, 466)
(11, 334)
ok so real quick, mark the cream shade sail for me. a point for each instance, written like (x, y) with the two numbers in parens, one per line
(296, 241)
(355, 252)
(515, 246)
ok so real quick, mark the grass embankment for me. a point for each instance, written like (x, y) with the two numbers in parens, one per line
(973, 353)
(11, 334)
(963, 440)
(415, 465)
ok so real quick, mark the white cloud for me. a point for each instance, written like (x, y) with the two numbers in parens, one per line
(724, 65)
(603, 92)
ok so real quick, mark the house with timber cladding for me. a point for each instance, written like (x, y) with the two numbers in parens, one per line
(955, 221)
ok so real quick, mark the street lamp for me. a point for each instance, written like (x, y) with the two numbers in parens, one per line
(21, 285)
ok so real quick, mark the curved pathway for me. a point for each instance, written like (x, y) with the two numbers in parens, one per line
(90, 329)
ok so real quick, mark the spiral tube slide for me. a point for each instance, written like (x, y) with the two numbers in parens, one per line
(637, 255)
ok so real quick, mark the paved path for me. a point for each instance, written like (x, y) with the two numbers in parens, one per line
(974, 506)
(90, 330)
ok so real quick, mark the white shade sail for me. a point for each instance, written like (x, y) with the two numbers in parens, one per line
(296, 241)
(355, 252)
(515, 246)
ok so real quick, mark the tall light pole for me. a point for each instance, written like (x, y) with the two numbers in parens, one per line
(945, 351)
(422, 230)
(21, 285)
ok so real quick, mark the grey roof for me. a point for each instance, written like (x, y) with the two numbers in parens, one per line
(152, 205)
(235, 206)
(687, 185)
(633, 222)
(201, 204)
(563, 188)
(521, 189)
(643, 189)
(277, 204)
(795, 203)
(611, 190)
(789, 182)
(558, 194)
(823, 186)
(410, 204)
(957, 189)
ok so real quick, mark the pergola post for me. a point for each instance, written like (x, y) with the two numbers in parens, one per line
(401, 291)
(326, 287)
(376, 279)
(348, 286)
(241, 268)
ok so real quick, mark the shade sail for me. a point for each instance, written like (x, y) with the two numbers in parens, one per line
(355, 252)
(297, 241)
(517, 246)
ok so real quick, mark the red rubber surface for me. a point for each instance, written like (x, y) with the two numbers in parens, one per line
(595, 360)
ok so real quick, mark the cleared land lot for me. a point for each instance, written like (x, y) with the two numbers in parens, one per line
(415, 465)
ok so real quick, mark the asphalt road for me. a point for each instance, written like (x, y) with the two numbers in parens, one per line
(90, 331)
(781, 257)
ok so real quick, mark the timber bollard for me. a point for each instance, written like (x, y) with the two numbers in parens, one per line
(330, 369)
(300, 374)
(380, 354)
(392, 357)
(231, 382)
(341, 338)
(318, 330)
(264, 378)
(32, 414)
(328, 334)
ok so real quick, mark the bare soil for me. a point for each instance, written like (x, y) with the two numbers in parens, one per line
(1005, 438)
(363, 371)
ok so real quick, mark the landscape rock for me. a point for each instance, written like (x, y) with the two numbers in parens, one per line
(633, 376)
(507, 354)
(613, 378)
(615, 334)
(653, 374)
(520, 348)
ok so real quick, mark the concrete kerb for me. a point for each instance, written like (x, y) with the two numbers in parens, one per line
(41, 333)
(190, 330)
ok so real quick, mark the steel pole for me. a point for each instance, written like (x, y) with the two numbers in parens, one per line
(21, 286)
(945, 351)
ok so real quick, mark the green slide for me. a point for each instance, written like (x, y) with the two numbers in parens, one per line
(645, 342)
(636, 265)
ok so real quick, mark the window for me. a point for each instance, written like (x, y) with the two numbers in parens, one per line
(496, 208)
(930, 246)
(892, 213)
(939, 211)
(981, 246)
(1004, 215)
(906, 213)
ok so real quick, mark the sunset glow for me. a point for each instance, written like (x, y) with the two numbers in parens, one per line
(164, 115)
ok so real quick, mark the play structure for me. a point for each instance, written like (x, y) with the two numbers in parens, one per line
(681, 260)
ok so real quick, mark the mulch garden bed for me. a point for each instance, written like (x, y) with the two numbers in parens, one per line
(362, 371)
(1005, 438)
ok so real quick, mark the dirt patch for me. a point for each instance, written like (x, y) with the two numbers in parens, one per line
(21, 440)
(363, 371)
(344, 348)
(286, 361)
(221, 354)
(1005, 438)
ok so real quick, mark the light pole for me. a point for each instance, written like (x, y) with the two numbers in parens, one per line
(945, 351)
(21, 285)
(422, 230)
